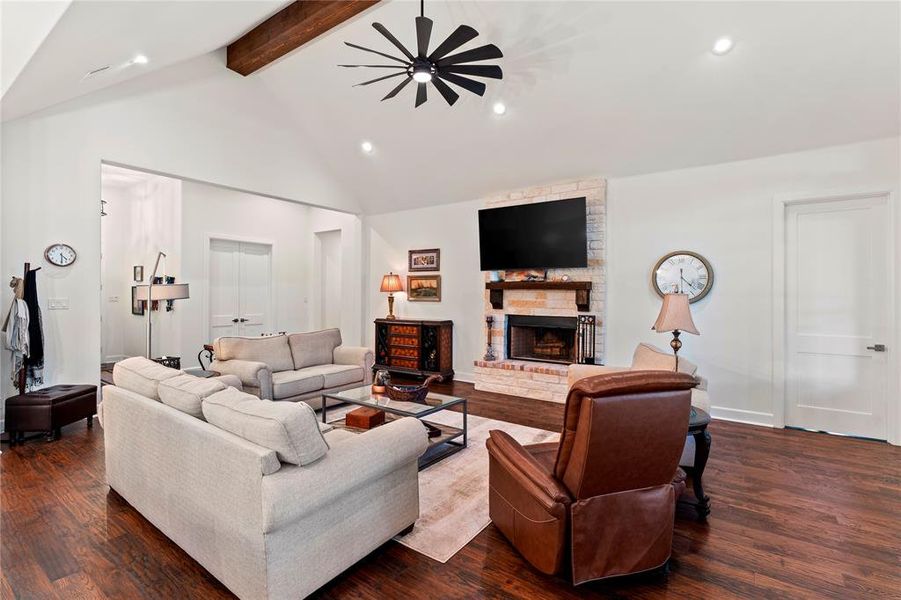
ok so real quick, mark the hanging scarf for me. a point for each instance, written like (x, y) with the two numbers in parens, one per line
(15, 328)
(34, 362)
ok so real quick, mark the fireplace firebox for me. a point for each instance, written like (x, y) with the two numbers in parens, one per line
(562, 340)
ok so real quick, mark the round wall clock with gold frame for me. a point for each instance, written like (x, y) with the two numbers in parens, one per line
(683, 272)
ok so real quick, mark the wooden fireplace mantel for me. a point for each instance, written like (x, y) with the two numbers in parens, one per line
(581, 288)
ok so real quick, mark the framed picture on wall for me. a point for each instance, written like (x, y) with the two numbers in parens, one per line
(424, 288)
(425, 260)
(138, 273)
(137, 306)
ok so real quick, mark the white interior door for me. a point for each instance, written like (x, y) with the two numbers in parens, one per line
(240, 288)
(254, 289)
(223, 288)
(329, 278)
(837, 316)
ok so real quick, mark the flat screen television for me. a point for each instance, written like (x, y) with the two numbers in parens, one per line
(544, 235)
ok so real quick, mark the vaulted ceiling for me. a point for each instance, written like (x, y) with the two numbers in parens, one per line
(591, 88)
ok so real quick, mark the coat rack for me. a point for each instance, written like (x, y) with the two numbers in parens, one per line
(21, 378)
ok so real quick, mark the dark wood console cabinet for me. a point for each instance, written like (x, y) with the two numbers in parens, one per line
(411, 347)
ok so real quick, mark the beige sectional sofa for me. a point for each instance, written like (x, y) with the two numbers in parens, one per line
(220, 482)
(298, 366)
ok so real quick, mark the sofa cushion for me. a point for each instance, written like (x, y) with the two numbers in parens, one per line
(142, 376)
(652, 358)
(272, 350)
(186, 393)
(289, 428)
(293, 383)
(314, 348)
(335, 375)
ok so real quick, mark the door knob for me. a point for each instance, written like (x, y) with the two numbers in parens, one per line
(877, 348)
(242, 320)
(235, 320)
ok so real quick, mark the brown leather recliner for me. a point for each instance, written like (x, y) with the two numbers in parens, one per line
(602, 499)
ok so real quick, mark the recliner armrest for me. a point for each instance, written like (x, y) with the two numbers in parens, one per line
(251, 373)
(526, 469)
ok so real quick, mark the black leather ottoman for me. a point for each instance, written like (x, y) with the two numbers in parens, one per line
(47, 410)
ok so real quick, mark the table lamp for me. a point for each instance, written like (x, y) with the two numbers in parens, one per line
(391, 283)
(675, 316)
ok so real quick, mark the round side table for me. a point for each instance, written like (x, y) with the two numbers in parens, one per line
(697, 428)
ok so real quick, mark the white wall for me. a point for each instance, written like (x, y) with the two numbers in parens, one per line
(454, 228)
(725, 212)
(194, 120)
(226, 214)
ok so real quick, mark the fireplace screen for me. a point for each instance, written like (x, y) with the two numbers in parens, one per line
(545, 339)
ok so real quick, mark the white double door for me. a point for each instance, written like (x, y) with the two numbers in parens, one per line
(838, 315)
(240, 288)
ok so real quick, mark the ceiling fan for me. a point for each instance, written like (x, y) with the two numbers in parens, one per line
(436, 67)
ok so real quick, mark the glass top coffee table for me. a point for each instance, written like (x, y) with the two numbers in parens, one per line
(444, 440)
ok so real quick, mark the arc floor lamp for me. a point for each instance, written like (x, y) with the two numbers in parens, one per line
(159, 291)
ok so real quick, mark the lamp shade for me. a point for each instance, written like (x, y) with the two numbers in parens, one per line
(164, 291)
(675, 315)
(392, 283)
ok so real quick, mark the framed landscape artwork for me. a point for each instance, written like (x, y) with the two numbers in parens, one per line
(425, 260)
(424, 288)
(137, 306)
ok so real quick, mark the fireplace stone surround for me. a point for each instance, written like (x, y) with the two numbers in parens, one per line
(529, 378)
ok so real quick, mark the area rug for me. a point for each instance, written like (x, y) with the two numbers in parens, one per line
(453, 493)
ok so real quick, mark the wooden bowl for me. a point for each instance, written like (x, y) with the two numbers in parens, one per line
(411, 393)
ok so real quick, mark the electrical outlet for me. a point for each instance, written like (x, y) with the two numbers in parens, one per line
(114, 298)
(59, 303)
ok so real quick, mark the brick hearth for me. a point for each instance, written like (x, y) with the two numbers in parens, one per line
(541, 381)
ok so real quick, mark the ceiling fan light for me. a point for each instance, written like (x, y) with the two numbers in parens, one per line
(422, 76)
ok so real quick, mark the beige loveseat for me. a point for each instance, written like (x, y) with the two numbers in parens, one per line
(225, 494)
(651, 358)
(298, 366)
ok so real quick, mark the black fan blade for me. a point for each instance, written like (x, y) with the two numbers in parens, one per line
(380, 78)
(492, 71)
(421, 94)
(376, 66)
(446, 91)
(480, 53)
(423, 33)
(381, 29)
(400, 60)
(394, 92)
(460, 36)
(476, 87)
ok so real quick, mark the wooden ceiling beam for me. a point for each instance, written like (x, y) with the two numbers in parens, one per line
(289, 28)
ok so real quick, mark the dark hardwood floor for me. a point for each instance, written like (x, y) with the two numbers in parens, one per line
(795, 515)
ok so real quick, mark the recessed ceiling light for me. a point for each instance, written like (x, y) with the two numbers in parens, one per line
(499, 108)
(722, 46)
(366, 147)
(140, 59)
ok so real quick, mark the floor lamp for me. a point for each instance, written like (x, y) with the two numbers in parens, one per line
(158, 291)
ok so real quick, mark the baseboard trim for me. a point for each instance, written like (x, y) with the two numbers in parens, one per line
(750, 417)
(464, 377)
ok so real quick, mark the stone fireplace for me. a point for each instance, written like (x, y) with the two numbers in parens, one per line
(538, 333)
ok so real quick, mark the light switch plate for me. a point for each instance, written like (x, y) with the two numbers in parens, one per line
(59, 303)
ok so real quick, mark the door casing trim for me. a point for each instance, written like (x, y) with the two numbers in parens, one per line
(781, 202)
(205, 300)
